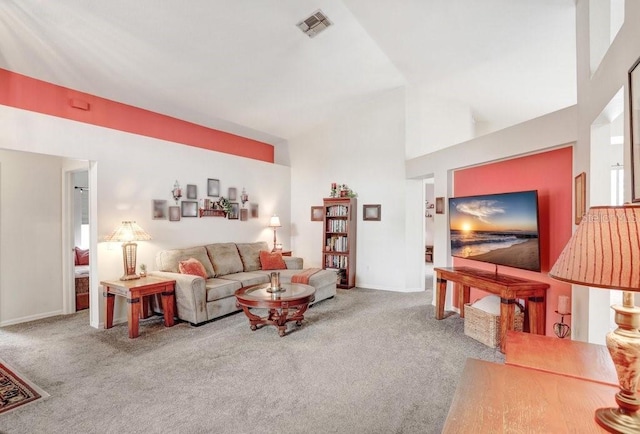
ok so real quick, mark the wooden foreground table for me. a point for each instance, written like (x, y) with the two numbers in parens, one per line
(495, 398)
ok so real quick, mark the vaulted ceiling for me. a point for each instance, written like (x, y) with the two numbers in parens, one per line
(243, 66)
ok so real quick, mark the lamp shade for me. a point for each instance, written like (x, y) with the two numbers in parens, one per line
(128, 231)
(274, 222)
(604, 251)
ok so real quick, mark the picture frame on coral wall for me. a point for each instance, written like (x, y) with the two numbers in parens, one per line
(580, 192)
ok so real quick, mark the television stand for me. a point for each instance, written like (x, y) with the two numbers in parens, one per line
(509, 288)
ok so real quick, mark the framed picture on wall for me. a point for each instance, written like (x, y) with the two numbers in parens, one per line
(192, 191)
(174, 213)
(317, 213)
(244, 214)
(439, 205)
(233, 194)
(189, 208)
(254, 210)
(159, 209)
(213, 187)
(235, 211)
(372, 212)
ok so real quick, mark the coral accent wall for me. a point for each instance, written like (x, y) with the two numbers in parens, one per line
(551, 174)
(27, 93)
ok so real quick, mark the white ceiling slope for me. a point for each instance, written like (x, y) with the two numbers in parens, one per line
(243, 65)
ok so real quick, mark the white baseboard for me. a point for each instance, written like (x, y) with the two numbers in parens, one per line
(386, 288)
(30, 318)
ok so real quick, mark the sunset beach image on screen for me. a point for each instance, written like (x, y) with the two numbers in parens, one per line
(500, 229)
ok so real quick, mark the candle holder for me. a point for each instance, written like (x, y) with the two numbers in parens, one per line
(561, 329)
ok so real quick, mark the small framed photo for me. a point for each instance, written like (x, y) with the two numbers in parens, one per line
(192, 191)
(439, 205)
(233, 194)
(244, 214)
(372, 212)
(235, 211)
(580, 192)
(174, 213)
(189, 208)
(254, 210)
(213, 187)
(317, 213)
(159, 209)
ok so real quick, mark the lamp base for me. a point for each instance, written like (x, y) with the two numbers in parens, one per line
(617, 420)
(130, 277)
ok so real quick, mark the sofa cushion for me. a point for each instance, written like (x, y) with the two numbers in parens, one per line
(248, 279)
(225, 258)
(250, 254)
(272, 260)
(218, 289)
(169, 260)
(192, 266)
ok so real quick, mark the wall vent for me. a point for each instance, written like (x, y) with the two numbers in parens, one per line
(313, 25)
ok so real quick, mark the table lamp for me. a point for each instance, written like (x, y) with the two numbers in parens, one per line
(127, 232)
(604, 252)
(274, 223)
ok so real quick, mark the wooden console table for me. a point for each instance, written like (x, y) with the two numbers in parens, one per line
(509, 288)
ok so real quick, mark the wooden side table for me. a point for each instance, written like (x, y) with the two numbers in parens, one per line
(135, 292)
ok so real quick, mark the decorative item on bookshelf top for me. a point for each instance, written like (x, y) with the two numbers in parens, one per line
(342, 190)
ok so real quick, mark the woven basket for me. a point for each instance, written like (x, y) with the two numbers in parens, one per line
(485, 327)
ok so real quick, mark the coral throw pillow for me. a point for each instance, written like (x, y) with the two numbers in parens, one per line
(192, 266)
(272, 261)
(82, 256)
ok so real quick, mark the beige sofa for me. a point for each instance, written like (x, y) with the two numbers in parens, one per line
(229, 267)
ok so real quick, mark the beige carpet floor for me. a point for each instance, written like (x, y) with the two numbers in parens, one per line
(364, 362)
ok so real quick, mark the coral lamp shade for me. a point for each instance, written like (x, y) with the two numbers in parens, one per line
(604, 251)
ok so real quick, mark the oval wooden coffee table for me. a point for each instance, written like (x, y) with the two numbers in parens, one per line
(295, 296)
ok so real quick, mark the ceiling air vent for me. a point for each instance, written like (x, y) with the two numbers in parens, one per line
(313, 25)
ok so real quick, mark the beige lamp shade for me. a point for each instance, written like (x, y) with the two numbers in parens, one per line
(128, 231)
(274, 222)
(604, 251)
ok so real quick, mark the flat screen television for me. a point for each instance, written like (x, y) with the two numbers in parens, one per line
(500, 229)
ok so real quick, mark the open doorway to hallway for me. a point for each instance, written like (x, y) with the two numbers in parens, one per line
(80, 230)
(429, 211)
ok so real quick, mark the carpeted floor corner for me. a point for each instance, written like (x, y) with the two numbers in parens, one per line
(364, 362)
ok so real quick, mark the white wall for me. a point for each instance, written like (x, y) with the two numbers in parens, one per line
(434, 123)
(363, 148)
(130, 171)
(30, 219)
